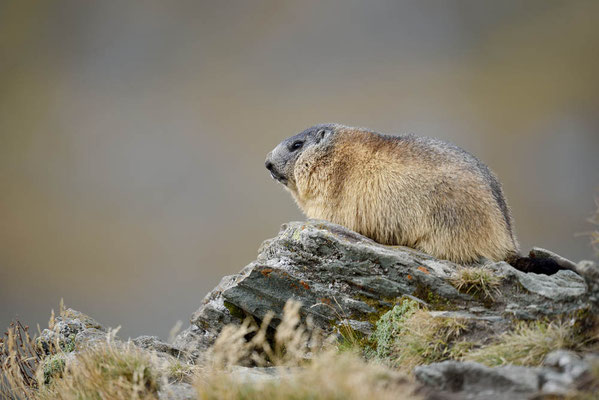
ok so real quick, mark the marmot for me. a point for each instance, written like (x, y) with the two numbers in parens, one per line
(413, 191)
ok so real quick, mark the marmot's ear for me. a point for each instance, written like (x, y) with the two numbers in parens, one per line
(321, 134)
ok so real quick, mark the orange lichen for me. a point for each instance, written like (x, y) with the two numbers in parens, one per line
(266, 272)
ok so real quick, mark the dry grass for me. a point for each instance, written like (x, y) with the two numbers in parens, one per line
(179, 371)
(293, 342)
(528, 344)
(19, 361)
(323, 373)
(424, 340)
(331, 375)
(476, 281)
(103, 371)
(106, 371)
(309, 367)
(408, 336)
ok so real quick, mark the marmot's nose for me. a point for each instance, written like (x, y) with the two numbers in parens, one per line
(269, 165)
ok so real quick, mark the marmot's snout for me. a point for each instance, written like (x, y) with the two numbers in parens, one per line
(276, 175)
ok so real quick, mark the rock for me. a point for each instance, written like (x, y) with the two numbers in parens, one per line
(476, 381)
(343, 279)
(340, 277)
(73, 330)
(177, 391)
(70, 329)
(562, 373)
(153, 343)
(567, 370)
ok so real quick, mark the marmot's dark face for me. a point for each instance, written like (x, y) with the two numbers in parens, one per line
(281, 161)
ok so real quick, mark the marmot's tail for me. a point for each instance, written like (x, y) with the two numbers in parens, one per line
(541, 261)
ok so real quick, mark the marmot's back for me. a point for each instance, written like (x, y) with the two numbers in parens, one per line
(408, 191)
(398, 190)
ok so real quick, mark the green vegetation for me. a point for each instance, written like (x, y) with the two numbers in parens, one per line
(390, 325)
(408, 336)
(52, 367)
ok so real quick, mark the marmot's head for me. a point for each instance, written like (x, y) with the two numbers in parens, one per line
(299, 150)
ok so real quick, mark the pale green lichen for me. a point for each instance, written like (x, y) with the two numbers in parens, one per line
(390, 325)
(408, 336)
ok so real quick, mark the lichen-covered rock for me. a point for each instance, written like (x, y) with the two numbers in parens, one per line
(340, 277)
(344, 279)
(70, 329)
(73, 330)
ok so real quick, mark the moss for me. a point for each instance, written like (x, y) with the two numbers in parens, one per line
(408, 336)
(234, 310)
(69, 345)
(434, 300)
(381, 306)
(586, 324)
(53, 368)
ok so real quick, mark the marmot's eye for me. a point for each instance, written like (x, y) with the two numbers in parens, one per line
(296, 145)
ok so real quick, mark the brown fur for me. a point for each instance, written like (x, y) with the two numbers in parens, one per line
(427, 195)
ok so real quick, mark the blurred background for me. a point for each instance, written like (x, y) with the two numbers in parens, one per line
(133, 134)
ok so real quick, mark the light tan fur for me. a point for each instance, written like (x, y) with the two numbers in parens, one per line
(403, 192)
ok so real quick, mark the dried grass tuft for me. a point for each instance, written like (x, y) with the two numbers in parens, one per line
(20, 358)
(293, 342)
(323, 373)
(329, 376)
(476, 281)
(106, 371)
(528, 343)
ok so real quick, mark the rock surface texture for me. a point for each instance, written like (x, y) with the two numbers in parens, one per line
(344, 279)
(340, 276)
